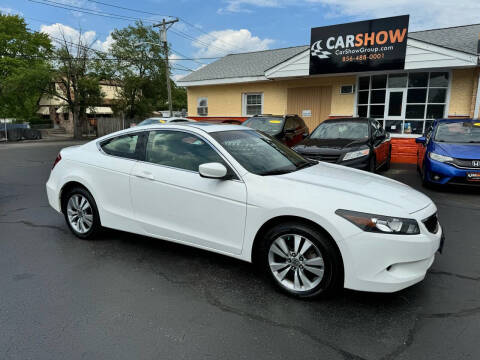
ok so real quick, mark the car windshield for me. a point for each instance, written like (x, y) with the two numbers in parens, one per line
(341, 130)
(260, 154)
(268, 125)
(458, 132)
(149, 122)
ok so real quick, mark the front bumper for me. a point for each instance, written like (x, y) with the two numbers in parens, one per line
(359, 163)
(388, 263)
(442, 174)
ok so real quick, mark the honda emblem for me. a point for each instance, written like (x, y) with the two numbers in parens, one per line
(476, 163)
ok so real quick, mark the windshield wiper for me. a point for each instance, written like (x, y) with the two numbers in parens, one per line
(276, 172)
(307, 164)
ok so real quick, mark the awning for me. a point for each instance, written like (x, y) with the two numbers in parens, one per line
(62, 110)
(44, 110)
(100, 110)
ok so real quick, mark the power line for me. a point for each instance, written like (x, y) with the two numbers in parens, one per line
(129, 18)
(155, 14)
(87, 11)
(99, 58)
(129, 9)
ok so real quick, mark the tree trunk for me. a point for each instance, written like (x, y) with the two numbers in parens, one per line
(77, 123)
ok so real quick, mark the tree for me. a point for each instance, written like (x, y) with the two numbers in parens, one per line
(75, 80)
(24, 67)
(141, 71)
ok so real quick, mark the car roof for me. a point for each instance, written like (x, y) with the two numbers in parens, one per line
(355, 119)
(206, 127)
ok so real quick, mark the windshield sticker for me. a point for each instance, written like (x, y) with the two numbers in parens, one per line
(476, 124)
(275, 121)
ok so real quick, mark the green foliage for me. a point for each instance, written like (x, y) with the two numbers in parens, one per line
(24, 68)
(143, 80)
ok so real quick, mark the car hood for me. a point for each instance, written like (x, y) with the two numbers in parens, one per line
(459, 151)
(315, 145)
(361, 184)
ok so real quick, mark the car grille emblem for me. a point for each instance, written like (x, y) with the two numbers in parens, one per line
(476, 163)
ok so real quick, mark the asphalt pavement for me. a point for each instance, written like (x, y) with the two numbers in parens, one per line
(130, 297)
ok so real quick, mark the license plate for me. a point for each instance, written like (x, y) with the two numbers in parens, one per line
(473, 176)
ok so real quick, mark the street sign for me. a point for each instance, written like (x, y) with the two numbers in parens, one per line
(371, 45)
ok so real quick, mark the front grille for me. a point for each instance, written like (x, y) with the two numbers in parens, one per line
(431, 223)
(467, 163)
(326, 158)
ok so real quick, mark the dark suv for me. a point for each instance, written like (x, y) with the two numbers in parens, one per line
(289, 129)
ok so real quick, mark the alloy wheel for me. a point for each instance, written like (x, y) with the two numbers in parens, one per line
(296, 262)
(80, 213)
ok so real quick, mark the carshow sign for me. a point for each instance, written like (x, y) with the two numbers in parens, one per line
(371, 45)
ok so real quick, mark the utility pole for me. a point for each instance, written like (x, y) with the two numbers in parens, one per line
(163, 38)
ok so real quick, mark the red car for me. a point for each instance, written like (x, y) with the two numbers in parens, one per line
(289, 129)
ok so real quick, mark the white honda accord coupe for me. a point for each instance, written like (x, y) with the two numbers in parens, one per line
(313, 227)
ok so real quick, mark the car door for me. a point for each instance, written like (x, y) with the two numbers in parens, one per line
(110, 177)
(422, 149)
(377, 142)
(172, 201)
(289, 130)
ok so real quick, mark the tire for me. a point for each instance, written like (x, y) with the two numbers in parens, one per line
(372, 164)
(388, 162)
(315, 270)
(81, 213)
(427, 184)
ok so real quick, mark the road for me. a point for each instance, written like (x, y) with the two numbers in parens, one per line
(131, 297)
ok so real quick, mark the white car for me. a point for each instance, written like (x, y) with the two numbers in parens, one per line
(163, 120)
(314, 227)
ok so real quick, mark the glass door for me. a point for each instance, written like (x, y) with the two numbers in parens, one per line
(396, 100)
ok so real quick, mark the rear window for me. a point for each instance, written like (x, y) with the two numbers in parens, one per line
(126, 146)
(268, 125)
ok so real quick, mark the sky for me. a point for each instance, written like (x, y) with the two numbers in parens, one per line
(213, 28)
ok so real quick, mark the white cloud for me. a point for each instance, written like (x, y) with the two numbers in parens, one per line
(424, 14)
(71, 35)
(220, 43)
(10, 11)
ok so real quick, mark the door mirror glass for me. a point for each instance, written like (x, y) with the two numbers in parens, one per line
(212, 170)
(421, 140)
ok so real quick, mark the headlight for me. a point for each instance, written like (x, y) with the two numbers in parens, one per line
(380, 223)
(438, 157)
(355, 154)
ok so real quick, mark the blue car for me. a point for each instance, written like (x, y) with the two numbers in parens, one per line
(450, 153)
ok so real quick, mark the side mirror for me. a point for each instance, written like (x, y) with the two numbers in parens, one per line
(421, 140)
(212, 170)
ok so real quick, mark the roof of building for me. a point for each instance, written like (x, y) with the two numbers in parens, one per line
(251, 64)
(244, 64)
(461, 38)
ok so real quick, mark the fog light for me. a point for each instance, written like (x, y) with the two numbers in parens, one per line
(436, 177)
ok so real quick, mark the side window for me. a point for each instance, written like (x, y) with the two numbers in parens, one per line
(180, 150)
(127, 146)
(301, 123)
(202, 106)
(290, 124)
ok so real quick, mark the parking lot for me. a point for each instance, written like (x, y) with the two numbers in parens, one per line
(130, 297)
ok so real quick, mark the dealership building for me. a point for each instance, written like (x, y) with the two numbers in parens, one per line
(374, 68)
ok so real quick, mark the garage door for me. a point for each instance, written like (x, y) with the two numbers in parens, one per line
(316, 101)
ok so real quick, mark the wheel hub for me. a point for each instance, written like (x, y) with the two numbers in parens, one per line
(296, 262)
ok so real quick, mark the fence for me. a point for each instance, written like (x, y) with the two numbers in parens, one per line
(107, 125)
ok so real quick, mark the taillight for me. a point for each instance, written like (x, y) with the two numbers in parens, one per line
(57, 160)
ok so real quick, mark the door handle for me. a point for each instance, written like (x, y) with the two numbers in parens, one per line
(145, 175)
